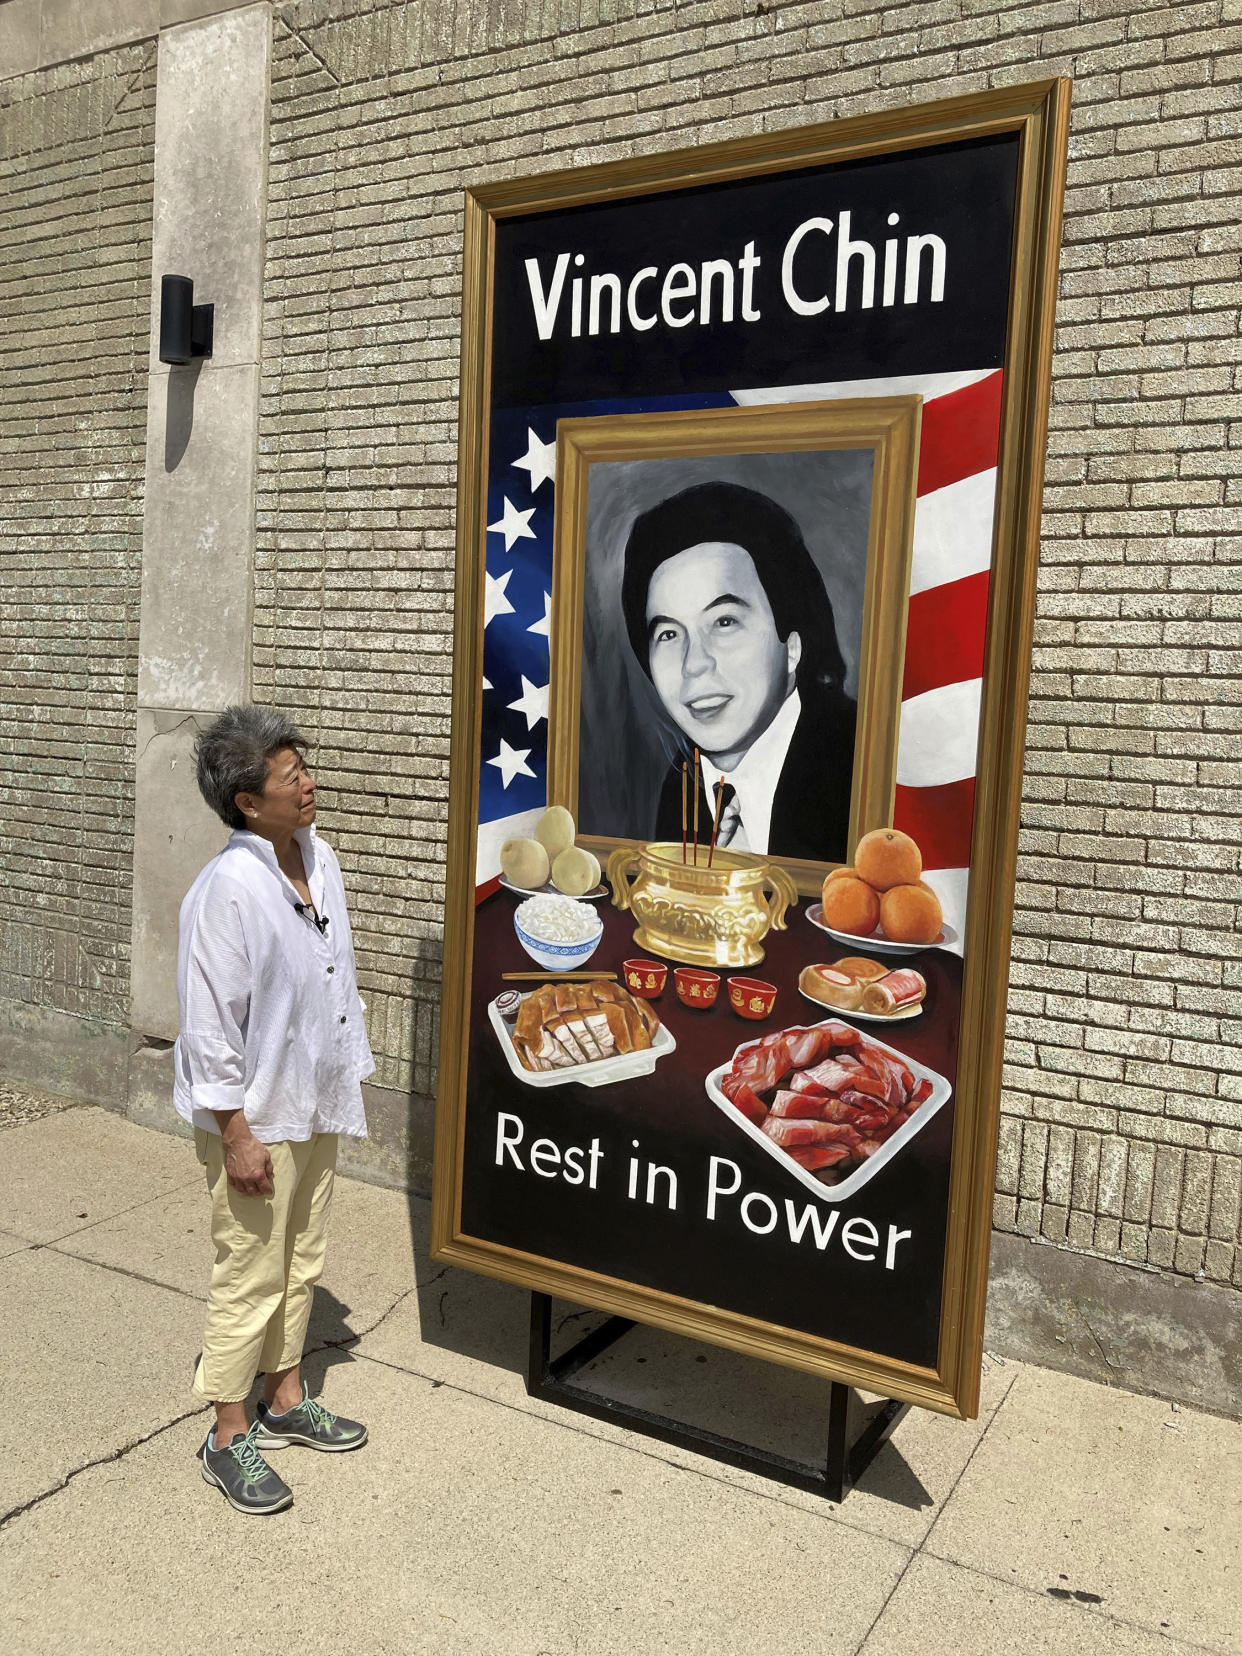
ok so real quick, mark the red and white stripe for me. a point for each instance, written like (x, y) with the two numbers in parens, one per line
(939, 735)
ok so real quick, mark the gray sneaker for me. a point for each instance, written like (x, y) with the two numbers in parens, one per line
(310, 1423)
(243, 1477)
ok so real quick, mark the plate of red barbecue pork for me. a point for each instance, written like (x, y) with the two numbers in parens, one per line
(827, 1102)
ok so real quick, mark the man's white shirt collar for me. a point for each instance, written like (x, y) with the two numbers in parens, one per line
(755, 778)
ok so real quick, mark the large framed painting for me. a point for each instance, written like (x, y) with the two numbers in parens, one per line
(750, 469)
(827, 493)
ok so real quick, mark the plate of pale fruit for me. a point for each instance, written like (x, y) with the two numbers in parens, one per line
(881, 899)
(551, 861)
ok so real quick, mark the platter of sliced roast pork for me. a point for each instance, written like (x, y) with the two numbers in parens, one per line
(592, 1033)
(831, 1105)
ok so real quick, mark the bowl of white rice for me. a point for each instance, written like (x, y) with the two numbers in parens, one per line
(557, 932)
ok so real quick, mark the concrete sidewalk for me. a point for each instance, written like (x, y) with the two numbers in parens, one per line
(1069, 1518)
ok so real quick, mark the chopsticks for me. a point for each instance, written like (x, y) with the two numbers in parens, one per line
(556, 977)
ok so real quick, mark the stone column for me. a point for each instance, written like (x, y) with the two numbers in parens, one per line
(198, 532)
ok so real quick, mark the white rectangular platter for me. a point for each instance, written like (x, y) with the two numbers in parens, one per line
(600, 1073)
(940, 1094)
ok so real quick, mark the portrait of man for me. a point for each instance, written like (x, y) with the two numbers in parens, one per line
(722, 610)
(727, 615)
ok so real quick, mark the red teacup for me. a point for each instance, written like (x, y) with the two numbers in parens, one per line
(751, 997)
(645, 977)
(695, 988)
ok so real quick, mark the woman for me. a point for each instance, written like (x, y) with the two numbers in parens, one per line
(728, 617)
(268, 1068)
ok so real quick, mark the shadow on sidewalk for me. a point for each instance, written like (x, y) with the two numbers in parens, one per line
(705, 1387)
(470, 1315)
(328, 1339)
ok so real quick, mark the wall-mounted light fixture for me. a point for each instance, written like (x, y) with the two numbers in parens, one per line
(186, 329)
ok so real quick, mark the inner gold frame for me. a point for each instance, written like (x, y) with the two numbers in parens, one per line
(889, 427)
(1038, 115)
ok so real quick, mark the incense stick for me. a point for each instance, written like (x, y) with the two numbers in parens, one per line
(556, 977)
(684, 785)
(697, 790)
(711, 852)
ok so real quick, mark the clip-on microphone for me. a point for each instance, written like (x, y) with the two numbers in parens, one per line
(320, 922)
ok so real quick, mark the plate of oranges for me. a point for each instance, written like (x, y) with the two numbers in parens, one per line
(881, 899)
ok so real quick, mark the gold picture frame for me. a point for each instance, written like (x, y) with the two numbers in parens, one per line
(1037, 116)
(889, 428)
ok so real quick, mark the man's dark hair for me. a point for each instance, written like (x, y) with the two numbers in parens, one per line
(737, 516)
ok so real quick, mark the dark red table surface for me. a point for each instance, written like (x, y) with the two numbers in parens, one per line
(706, 1039)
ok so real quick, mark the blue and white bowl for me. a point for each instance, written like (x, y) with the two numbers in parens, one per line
(559, 957)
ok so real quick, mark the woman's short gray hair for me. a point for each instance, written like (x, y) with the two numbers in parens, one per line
(232, 755)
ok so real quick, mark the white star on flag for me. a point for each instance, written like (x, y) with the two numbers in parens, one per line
(511, 762)
(544, 626)
(494, 601)
(533, 702)
(539, 460)
(487, 684)
(513, 525)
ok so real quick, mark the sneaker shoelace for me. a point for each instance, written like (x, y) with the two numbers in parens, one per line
(250, 1462)
(316, 1414)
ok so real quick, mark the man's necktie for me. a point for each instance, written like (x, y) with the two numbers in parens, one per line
(730, 815)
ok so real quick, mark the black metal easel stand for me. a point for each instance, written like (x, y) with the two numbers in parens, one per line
(856, 1430)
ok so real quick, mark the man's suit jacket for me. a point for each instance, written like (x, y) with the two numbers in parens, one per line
(811, 806)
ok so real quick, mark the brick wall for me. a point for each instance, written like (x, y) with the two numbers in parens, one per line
(1122, 1127)
(75, 232)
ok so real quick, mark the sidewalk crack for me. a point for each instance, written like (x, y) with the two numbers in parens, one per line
(355, 1335)
(107, 1219)
(119, 1270)
(1098, 1610)
(916, 1551)
(146, 1437)
(100, 1460)
(931, 1528)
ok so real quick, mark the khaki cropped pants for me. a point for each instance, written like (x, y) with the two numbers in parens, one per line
(269, 1256)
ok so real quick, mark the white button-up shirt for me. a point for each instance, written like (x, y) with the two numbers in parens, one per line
(271, 1022)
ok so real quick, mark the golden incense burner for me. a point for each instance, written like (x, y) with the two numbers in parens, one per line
(701, 916)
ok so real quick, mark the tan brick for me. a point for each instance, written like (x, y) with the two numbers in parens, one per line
(1161, 1245)
(1218, 1261)
(1028, 1217)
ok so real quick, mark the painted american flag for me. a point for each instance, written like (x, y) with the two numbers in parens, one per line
(938, 738)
